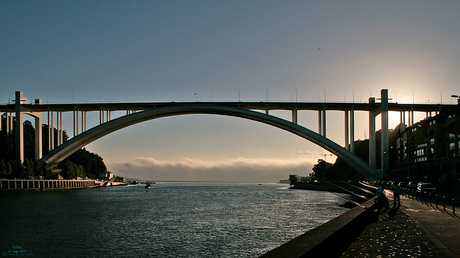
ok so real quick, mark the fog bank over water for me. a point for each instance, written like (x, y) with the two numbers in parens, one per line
(193, 169)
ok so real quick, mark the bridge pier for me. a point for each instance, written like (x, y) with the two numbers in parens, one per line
(324, 121)
(347, 128)
(352, 129)
(19, 128)
(294, 115)
(320, 123)
(384, 155)
(385, 147)
(372, 157)
(38, 133)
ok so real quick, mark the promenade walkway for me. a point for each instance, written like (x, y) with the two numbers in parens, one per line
(417, 229)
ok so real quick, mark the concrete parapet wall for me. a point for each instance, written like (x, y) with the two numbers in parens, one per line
(25, 184)
(330, 239)
(318, 187)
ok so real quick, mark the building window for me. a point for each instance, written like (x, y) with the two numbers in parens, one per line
(420, 152)
(452, 146)
(432, 141)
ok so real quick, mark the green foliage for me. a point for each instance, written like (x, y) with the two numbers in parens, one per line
(92, 163)
(6, 143)
(71, 170)
(321, 169)
(119, 179)
(5, 169)
(80, 164)
(342, 171)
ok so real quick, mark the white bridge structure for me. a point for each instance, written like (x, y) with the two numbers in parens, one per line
(137, 112)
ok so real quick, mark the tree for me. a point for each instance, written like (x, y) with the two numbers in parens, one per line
(92, 163)
(82, 162)
(321, 169)
(5, 169)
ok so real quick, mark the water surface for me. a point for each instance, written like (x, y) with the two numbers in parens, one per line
(167, 220)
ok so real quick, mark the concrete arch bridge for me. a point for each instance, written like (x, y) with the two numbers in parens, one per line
(138, 112)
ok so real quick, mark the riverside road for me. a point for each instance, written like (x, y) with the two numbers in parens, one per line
(417, 229)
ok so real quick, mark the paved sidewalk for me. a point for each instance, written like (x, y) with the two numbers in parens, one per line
(443, 227)
(415, 230)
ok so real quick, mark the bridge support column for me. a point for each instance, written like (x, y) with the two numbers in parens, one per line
(60, 138)
(385, 147)
(49, 130)
(402, 121)
(372, 157)
(294, 115)
(101, 116)
(19, 130)
(412, 116)
(58, 128)
(347, 133)
(8, 122)
(324, 121)
(352, 130)
(62, 129)
(11, 123)
(52, 131)
(320, 122)
(83, 121)
(75, 122)
(38, 133)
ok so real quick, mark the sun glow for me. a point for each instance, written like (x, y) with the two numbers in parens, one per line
(393, 119)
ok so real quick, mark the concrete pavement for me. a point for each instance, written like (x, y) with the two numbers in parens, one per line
(443, 227)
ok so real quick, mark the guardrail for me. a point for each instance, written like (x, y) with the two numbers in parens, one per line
(441, 201)
(43, 184)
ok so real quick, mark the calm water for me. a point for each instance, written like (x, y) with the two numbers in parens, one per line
(167, 220)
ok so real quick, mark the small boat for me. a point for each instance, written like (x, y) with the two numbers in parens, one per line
(147, 185)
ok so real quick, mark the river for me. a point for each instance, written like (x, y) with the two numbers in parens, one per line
(167, 220)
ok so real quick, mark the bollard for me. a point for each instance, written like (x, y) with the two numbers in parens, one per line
(453, 205)
(436, 200)
(444, 197)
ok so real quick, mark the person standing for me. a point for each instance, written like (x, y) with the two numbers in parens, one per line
(396, 200)
(380, 193)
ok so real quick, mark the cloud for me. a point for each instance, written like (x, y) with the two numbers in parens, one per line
(193, 169)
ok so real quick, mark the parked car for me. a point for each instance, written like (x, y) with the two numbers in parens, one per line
(402, 184)
(412, 185)
(426, 188)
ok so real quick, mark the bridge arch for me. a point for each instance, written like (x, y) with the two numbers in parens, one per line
(79, 141)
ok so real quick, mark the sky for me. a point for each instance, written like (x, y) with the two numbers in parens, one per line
(118, 51)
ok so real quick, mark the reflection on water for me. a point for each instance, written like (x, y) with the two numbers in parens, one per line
(167, 220)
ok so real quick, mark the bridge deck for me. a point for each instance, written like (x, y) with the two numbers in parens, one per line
(120, 106)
